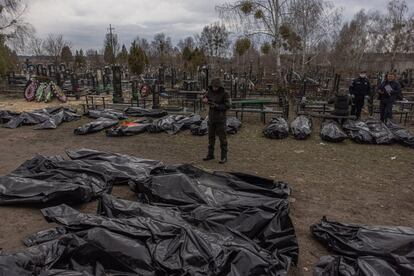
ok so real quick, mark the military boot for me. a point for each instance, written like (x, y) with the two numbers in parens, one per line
(210, 155)
(223, 159)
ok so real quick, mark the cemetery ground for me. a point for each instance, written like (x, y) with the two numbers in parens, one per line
(347, 182)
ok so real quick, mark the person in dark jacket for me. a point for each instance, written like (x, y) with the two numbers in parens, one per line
(359, 89)
(341, 101)
(219, 102)
(388, 91)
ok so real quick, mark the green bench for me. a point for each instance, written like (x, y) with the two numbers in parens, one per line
(257, 106)
(263, 112)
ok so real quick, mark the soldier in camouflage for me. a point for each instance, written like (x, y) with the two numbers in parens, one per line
(218, 101)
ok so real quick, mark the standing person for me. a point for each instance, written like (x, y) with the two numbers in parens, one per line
(359, 89)
(219, 103)
(389, 91)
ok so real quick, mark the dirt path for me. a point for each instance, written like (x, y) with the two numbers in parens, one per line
(346, 182)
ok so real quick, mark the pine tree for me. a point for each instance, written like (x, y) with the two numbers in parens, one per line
(66, 55)
(123, 56)
(137, 59)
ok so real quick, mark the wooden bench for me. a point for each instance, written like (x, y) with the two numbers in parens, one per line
(262, 112)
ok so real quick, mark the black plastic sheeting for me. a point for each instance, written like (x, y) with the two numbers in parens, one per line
(174, 123)
(52, 180)
(95, 126)
(364, 250)
(107, 113)
(87, 176)
(233, 125)
(28, 118)
(254, 206)
(381, 133)
(128, 129)
(301, 127)
(332, 132)
(376, 132)
(49, 118)
(186, 222)
(7, 115)
(200, 129)
(404, 136)
(141, 112)
(123, 169)
(278, 128)
(358, 132)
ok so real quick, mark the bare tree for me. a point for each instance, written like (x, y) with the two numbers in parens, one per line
(187, 42)
(214, 40)
(35, 46)
(261, 18)
(398, 29)
(94, 59)
(12, 25)
(313, 21)
(53, 46)
(161, 48)
(353, 42)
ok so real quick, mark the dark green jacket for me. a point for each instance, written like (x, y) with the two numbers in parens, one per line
(220, 103)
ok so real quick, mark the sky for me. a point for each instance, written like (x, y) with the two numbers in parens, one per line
(85, 22)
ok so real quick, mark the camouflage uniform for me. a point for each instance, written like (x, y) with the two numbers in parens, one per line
(219, 103)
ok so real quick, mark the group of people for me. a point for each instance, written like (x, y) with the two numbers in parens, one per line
(388, 93)
(218, 101)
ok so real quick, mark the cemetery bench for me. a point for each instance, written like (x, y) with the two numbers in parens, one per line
(256, 106)
(315, 106)
(262, 112)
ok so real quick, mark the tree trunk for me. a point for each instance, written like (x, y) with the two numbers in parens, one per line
(393, 61)
(278, 42)
(303, 62)
(278, 66)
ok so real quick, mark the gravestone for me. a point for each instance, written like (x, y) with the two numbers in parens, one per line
(39, 69)
(52, 70)
(117, 84)
(75, 85)
(98, 76)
